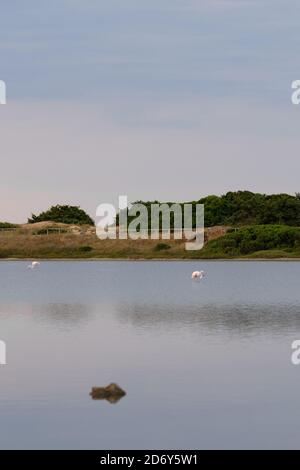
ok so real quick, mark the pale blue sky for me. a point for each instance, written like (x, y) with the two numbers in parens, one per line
(169, 99)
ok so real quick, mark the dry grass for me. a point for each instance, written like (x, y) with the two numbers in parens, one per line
(82, 242)
(68, 245)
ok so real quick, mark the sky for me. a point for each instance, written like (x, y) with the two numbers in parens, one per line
(160, 99)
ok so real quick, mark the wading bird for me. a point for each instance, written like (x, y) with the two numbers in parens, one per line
(198, 275)
(33, 265)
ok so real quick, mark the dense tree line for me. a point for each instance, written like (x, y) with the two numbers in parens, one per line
(245, 208)
(238, 208)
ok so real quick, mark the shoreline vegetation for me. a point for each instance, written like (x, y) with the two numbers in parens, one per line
(137, 260)
(238, 226)
(48, 240)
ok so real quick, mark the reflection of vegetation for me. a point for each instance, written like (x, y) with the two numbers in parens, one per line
(199, 316)
(64, 315)
(63, 214)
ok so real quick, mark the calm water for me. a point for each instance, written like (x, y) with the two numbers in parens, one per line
(204, 364)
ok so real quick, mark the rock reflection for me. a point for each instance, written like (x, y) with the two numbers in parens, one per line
(112, 393)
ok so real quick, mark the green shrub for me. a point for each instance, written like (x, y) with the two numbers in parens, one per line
(162, 246)
(64, 215)
(256, 238)
(7, 225)
(85, 249)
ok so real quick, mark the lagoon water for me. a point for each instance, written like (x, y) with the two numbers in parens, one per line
(205, 364)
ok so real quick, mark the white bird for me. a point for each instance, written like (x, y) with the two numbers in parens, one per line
(198, 275)
(34, 264)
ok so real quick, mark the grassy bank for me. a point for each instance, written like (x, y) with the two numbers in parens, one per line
(66, 245)
(262, 241)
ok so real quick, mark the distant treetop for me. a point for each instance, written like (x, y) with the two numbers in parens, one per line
(63, 214)
(7, 225)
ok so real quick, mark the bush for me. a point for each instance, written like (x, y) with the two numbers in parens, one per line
(162, 246)
(85, 249)
(256, 238)
(7, 225)
(64, 215)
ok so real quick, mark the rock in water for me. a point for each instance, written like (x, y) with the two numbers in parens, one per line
(112, 393)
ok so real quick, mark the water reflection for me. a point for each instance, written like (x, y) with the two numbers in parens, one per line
(204, 365)
(234, 318)
(63, 315)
